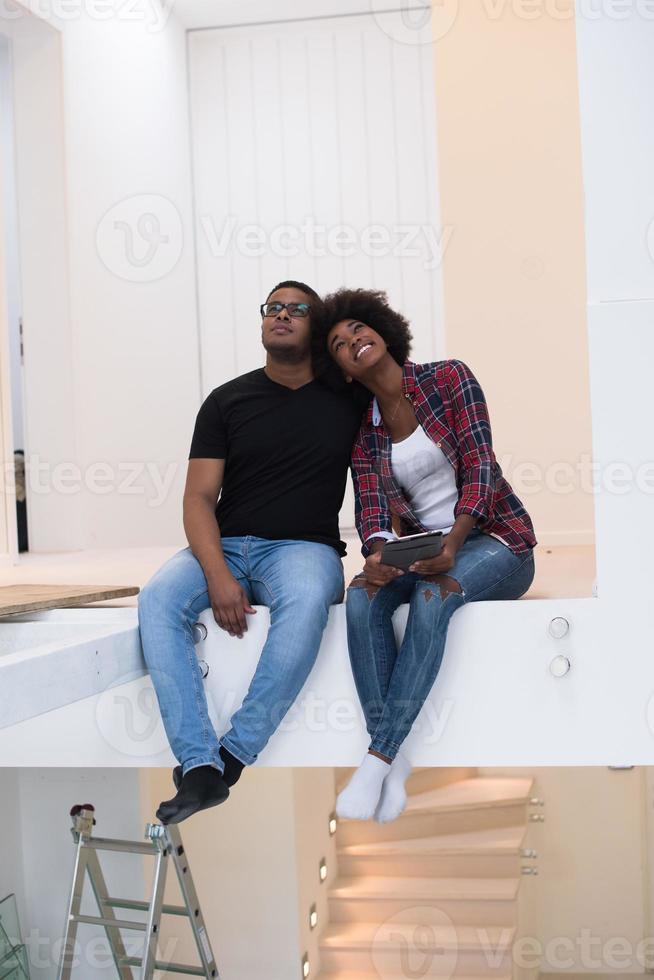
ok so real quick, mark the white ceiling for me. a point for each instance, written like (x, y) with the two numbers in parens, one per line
(196, 14)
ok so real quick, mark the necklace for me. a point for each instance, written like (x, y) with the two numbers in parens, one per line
(396, 410)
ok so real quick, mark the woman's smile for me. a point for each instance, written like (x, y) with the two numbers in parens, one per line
(362, 350)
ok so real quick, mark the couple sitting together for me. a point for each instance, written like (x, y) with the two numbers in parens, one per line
(272, 448)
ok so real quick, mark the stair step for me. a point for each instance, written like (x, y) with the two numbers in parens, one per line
(429, 944)
(361, 935)
(433, 889)
(471, 805)
(496, 840)
(435, 892)
(464, 901)
(366, 975)
(490, 853)
(470, 794)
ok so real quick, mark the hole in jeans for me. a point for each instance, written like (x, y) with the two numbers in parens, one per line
(359, 582)
(446, 584)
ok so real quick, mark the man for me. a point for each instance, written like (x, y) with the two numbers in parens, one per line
(275, 445)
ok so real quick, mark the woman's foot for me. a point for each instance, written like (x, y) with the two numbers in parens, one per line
(359, 799)
(393, 794)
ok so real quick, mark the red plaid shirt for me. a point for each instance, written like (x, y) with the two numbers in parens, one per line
(450, 406)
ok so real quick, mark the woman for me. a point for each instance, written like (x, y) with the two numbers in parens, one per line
(423, 456)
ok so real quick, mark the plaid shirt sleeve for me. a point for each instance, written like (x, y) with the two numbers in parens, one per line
(371, 510)
(473, 431)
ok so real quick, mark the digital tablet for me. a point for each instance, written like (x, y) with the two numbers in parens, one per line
(414, 547)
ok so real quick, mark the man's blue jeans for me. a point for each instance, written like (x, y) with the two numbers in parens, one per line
(393, 684)
(297, 580)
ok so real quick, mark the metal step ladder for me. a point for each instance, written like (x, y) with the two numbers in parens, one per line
(164, 843)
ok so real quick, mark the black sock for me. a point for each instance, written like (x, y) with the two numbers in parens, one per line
(233, 769)
(233, 766)
(200, 788)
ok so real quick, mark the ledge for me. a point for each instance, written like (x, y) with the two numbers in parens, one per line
(85, 698)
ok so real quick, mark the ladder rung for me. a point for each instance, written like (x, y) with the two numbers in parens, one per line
(98, 920)
(126, 847)
(134, 906)
(190, 971)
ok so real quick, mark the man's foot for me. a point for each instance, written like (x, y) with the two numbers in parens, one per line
(393, 794)
(231, 775)
(199, 789)
(359, 799)
(233, 766)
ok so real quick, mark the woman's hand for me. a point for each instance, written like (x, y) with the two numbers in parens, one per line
(441, 564)
(378, 574)
(230, 604)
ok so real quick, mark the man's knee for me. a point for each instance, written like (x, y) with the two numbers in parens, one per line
(147, 599)
(159, 604)
(309, 598)
(154, 599)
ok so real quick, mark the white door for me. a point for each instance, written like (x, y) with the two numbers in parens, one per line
(8, 543)
(314, 159)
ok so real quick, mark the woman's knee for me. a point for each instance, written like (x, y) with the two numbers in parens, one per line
(446, 585)
(358, 599)
(434, 602)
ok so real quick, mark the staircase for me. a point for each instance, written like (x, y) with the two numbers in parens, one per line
(437, 893)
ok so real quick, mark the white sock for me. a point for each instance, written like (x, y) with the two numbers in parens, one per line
(393, 794)
(361, 795)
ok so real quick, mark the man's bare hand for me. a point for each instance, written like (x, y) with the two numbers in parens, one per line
(230, 604)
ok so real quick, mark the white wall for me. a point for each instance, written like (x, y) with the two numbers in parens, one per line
(242, 858)
(314, 800)
(134, 388)
(255, 865)
(254, 861)
(11, 865)
(616, 83)
(37, 854)
(509, 162)
(136, 370)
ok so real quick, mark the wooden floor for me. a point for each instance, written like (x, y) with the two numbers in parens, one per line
(561, 572)
(15, 599)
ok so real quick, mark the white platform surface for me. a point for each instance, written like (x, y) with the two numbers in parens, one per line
(495, 702)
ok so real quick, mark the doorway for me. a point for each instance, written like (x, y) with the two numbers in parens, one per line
(12, 294)
(36, 376)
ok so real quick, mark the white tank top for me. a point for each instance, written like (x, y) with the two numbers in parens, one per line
(427, 477)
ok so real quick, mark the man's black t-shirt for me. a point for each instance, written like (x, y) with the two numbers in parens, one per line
(286, 456)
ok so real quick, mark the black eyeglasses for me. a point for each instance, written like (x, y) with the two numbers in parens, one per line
(294, 309)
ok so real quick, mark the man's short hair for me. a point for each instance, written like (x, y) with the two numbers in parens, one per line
(303, 288)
